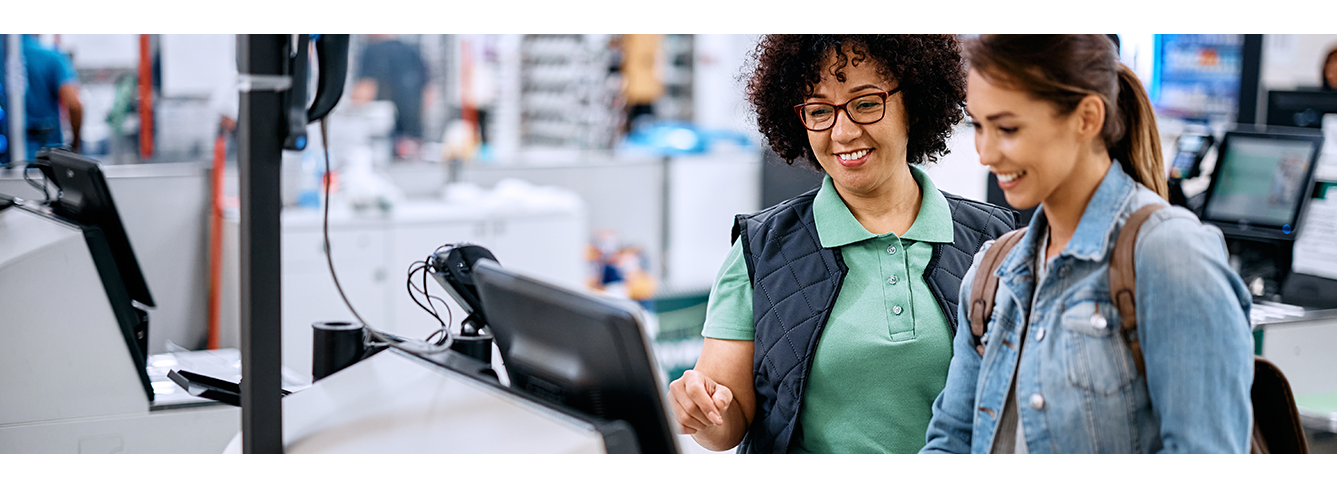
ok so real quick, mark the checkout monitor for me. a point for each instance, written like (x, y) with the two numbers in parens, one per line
(578, 351)
(83, 197)
(1304, 109)
(1260, 184)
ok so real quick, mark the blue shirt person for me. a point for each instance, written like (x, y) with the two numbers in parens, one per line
(51, 82)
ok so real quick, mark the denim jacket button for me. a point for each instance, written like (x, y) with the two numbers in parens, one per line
(1037, 402)
(1098, 321)
(1040, 335)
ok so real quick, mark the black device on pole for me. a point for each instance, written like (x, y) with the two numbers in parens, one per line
(294, 99)
(273, 114)
(453, 269)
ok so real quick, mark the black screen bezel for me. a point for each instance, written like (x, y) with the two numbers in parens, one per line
(1241, 228)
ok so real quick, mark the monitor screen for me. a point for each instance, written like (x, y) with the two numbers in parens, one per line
(1304, 109)
(1260, 183)
(579, 351)
(84, 198)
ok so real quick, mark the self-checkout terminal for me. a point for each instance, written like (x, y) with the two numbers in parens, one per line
(78, 377)
(577, 372)
(1273, 195)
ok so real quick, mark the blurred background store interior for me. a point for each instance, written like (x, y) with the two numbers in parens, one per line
(611, 163)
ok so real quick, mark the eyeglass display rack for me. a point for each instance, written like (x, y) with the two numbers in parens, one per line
(676, 104)
(565, 97)
(569, 98)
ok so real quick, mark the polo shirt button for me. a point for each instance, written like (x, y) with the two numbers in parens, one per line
(897, 310)
(891, 249)
(1040, 335)
(893, 280)
(1037, 402)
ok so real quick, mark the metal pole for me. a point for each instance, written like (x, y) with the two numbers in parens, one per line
(16, 82)
(260, 58)
(1251, 96)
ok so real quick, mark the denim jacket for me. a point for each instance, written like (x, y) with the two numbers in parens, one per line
(1078, 390)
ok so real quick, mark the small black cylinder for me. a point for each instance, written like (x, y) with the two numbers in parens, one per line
(477, 347)
(335, 345)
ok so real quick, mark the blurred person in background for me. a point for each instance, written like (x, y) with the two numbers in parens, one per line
(1330, 71)
(51, 83)
(1066, 126)
(829, 327)
(642, 77)
(389, 69)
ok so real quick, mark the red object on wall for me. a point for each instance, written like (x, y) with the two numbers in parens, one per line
(216, 241)
(145, 99)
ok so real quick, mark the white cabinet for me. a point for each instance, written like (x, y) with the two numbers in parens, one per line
(308, 290)
(372, 256)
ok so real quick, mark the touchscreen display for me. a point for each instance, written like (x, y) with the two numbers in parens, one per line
(1261, 182)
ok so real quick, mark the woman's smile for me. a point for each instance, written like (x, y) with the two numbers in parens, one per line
(853, 159)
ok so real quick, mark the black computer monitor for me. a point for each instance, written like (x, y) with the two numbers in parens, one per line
(1261, 183)
(576, 350)
(1303, 109)
(84, 198)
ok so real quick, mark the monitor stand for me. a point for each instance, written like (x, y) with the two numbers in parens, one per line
(1263, 264)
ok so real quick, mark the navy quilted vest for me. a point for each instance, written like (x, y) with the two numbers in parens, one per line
(795, 282)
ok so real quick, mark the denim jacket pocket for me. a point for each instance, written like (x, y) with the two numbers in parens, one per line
(1097, 360)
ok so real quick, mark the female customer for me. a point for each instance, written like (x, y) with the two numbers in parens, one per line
(1064, 125)
(829, 326)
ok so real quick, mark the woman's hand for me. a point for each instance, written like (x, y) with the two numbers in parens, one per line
(699, 402)
(715, 402)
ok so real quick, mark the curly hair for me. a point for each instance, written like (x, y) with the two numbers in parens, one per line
(929, 68)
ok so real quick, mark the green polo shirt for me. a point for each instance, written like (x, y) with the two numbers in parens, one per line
(883, 355)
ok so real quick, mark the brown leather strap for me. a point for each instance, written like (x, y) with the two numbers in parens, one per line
(1276, 421)
(1123, 280)
(984, 288)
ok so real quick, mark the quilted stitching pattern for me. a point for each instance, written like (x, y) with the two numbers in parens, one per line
(795, 282)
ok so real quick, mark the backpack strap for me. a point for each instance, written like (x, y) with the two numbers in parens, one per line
(984, 288)
(1123, 280)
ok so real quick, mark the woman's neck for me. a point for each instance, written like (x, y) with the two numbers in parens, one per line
(891, 208)
(1064, 207)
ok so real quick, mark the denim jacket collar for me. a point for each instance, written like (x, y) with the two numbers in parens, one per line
(1091, 241)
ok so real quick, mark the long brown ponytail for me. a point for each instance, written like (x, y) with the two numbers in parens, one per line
(1063, 69)
(1139, 147)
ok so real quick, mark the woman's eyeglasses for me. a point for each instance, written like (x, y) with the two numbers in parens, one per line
(866, 109)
